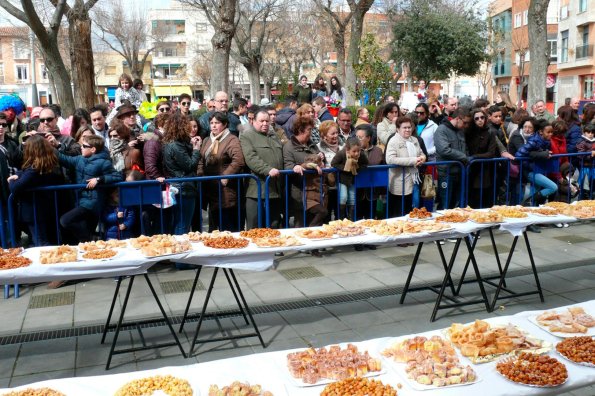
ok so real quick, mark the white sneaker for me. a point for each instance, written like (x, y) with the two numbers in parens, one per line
(566, 225)
(559, 225)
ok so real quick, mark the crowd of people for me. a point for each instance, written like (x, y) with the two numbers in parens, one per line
(102, 147)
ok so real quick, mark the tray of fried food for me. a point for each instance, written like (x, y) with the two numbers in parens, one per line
(100, 254)
(277, 241)
(226, 242)
(486, 217)
(566, 323)
(419, 214)
(579, 350)
(482, 342)
(161, 245)
(238, 388)
(345, 228)
(59, 254)
(315, 233)
(431, 226)
(581, 212)
(453, 216)
(99, 245)
(312, 366)
(586, 202)
(257, 233)
(12, 258)
(35, 392)
(541, 211)
(157, 384)
(370, 223)
(359, 387)
(561, 207)
(511, 212)
(429, 363)
(193, 236)
(215, 234)
(540, 371)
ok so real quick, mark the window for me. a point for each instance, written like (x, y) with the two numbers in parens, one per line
(43, 71)
(564, 42)
(169, 52)
(505, 88)
(588, 86)
(201, 27)
(22, 72)
(168, 26)
(582, 6)
(517, 20)
(583, 48)
(525, 57)
(20, 49)
(553, 45)
(525, 17)
(564, 12)
(110, 70)
(1, 73)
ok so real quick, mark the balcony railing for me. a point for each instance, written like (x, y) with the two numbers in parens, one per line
(584, 51)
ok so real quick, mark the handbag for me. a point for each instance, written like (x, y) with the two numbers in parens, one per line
(168, 197)
(428, 190)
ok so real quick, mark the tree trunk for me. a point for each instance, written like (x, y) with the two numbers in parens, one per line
(81, 57)
(60, 76)
(220, 64)
(357, 24)
(339, 41)
(538, 47)
(267, 89)
(254, 76)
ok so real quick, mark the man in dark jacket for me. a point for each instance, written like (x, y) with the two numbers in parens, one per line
(449, 140)
(93, 167)
(221, 104)
(321, 110)
(11, 157)
(240, 107)
(286, 116)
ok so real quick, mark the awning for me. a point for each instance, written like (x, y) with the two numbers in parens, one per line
(172, 91)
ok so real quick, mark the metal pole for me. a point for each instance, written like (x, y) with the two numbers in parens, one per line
(34, 95)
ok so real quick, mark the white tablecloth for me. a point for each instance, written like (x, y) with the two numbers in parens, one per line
(268, 369)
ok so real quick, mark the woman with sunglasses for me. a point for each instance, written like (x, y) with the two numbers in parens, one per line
(481, 144)
(387, 127)
(185, 102)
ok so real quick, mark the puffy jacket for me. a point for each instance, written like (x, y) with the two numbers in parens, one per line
(585, 146)
(573, 136)
(153, 156)
(234, 122)
(285, 119)
(384, 130)
(42, 201)
(112, 222)
(296, 153)
(180, 160)
(536, 148)
(325, 116)
(397, 154)
(97, 165)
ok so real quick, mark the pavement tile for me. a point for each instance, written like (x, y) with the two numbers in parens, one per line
(272, 326)
(42, 356)
(40, 376)
(277, 291)
(357, 313)
(281, 345)
(8, 356)
(310, 321)
(361, 281)
(337, 337)
(53, 317)
(90, 352)
(320, 286)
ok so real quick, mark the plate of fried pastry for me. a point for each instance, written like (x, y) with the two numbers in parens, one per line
(573, 321)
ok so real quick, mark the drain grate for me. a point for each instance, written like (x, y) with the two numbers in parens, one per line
(573, 239)
(404, 261)
(490, 250)
(300, 273)
(180, 286)
(51, 300)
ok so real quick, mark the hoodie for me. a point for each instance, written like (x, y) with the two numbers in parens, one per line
(285, 119)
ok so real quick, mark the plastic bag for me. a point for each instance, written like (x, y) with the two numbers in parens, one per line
(169, 197)
(427, 188)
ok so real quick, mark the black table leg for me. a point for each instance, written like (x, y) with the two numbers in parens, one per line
(477, 274)
(120, 319)
(496, 254)
(444, 265)
(462, 280)
(411, 271)
(190, 298)
(504, 271)
(204, 309)
(233, 275)
(235, 295)
(445, 280)
(533, 266)
(111, 310)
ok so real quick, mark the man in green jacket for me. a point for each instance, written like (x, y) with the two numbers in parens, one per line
(303, 92)
(263, 154)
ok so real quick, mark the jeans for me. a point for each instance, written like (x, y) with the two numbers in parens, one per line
(79, 223)
(449, 190)
(347, 194)
(399, 205)
(183, 211)
(548, 187)
(252, 213)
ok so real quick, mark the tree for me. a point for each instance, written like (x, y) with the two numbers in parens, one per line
(372, 70)
(436, 38)
(125, 30)
(223, 16)
(252, 35)
(539, 49)
(337, 21)
(520, 49)
(48, 44)
(81, 51)
(359, 10)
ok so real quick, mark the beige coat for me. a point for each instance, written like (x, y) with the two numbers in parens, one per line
(397, 154)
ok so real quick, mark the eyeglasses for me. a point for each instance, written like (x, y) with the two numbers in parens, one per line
(420, 112)
(3, 125)
(114, 136)
(87, 146)
(479, 118)
(48, 119)
(211, 107)
(163, 109)
(185, 103)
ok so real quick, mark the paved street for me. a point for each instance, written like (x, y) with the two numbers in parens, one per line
(305, 301)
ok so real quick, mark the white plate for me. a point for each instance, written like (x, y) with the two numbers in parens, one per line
(119, 253)
(572, 361)
(521, 383)
(432, 217)
(275, 389)
(590, 330)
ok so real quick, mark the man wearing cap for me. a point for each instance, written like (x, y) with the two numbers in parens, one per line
(127, 115)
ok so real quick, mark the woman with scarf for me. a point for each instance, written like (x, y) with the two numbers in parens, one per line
(404, 150)
(221, 154)
(330, 145)
(348, 161)
(124, 156)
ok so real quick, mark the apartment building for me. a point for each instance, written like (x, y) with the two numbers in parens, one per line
(16, 70)
(576, 38)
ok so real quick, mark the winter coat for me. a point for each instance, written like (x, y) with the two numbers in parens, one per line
(427, 134)
(481, 144)
(538, 149)
(40, 204)
(585, 146)
(325, 116)
(339, 160)
(285, 119)
(10, 157)
(296, 153)
(328, 153)
(112, 223)
(262, 152)
(573, 136)
(229, 160)
(153, 156)
(450, 146)
(234, 123)
(384, 130)
(500, 133)
(97, 165)
(558, 144)
(302, 94)
(397, 154)
(181, 160)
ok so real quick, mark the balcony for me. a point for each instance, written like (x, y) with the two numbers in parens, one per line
(502, 69)
(584, 51)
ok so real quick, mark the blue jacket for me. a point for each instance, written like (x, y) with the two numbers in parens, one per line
(97, 165)
(538, 149)
(573, 136)
(112, 222)
(325, 116)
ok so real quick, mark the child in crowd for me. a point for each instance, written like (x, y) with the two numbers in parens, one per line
(349, 160)
(585, 145)
(93, 167)
(120, 222)
(126, 91)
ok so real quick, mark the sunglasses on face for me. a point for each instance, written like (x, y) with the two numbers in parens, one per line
(420, 112)
(185, 103)
(479, 118)
(48, 119)
(87, 146)
(163, 109)
(3, 125)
